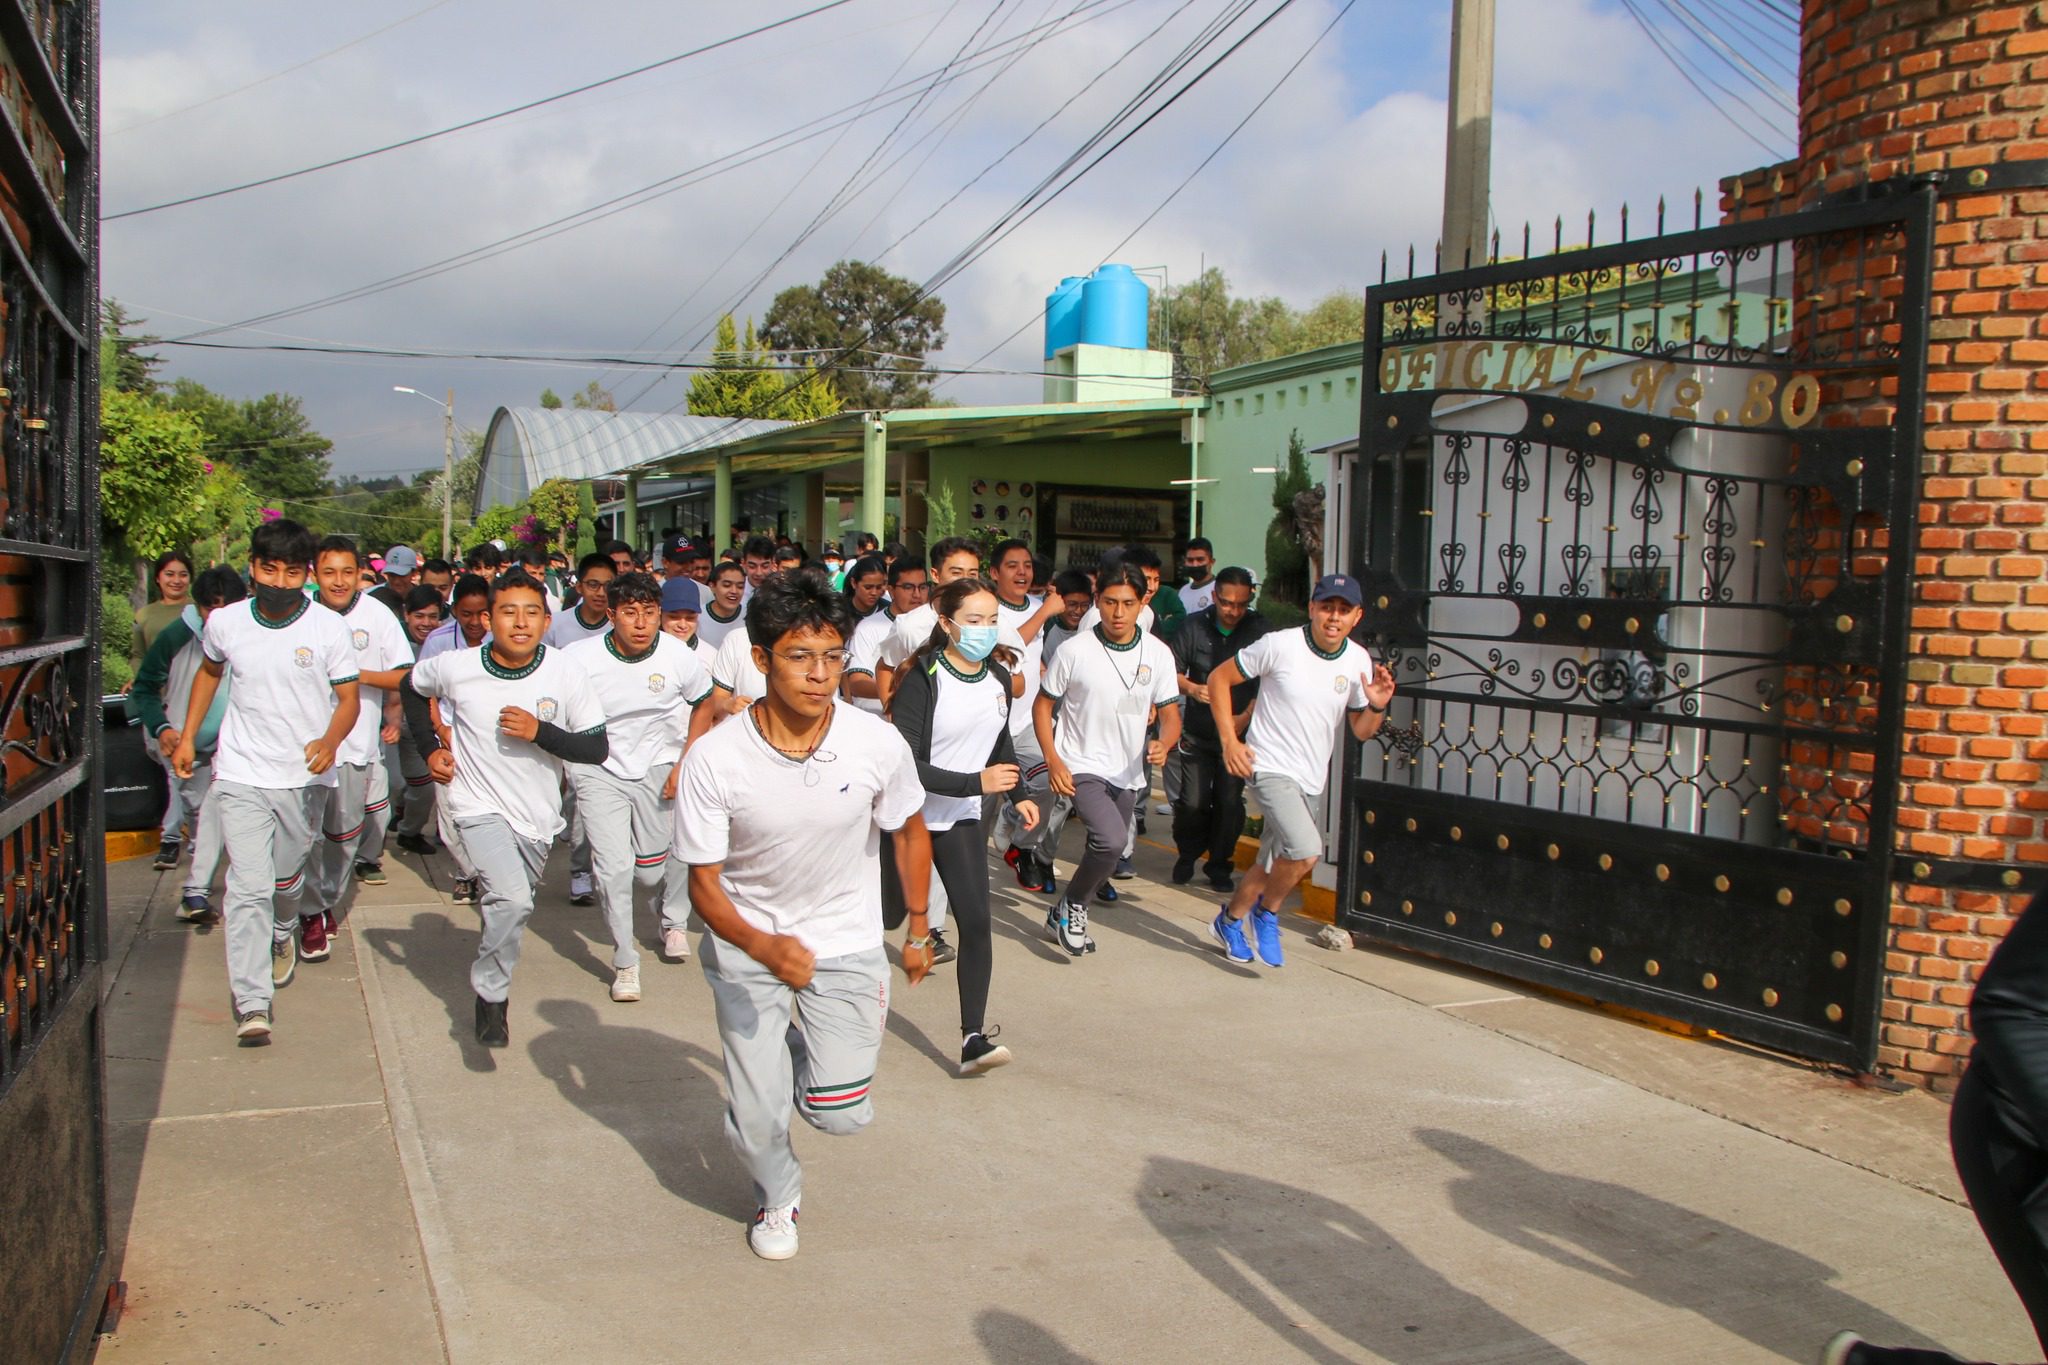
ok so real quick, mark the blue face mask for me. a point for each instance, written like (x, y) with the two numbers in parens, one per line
(977, 642)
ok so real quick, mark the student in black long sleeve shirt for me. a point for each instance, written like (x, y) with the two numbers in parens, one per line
(1209, 815)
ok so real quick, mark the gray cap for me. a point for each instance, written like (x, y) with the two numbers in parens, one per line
(401, 559)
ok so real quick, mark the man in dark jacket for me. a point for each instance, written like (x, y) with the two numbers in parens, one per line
(1208, 814)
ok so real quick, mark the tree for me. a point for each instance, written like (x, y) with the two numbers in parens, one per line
(550, 400)
(123, 362)
(881, 321)
(152, 478)
(1283, 597)
(586, 522)
(742, 383)
(268, 439)
(594, 397)
(1209, 330)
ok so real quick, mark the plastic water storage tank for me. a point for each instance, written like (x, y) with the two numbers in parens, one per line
(1063, 315)
(1115, 309)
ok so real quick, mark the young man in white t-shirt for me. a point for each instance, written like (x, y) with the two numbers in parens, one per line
(360, 807)
(908, 587)
(293, 703)
(1311, 681)
(1027, 615)
(1200, 589)
(724, 614)
(646, 681)
(591, 616)
(520, 711)
(780, 816)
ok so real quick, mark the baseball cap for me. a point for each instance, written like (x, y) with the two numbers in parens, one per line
(400, 559)
(680, 594)
(1339, 586)
(673, 548)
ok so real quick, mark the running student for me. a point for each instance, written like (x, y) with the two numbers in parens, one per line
(1208, 814)
(294, 701)
(162, 691)
(405, 771)
(645, 681)
(907, 589)
(682, 601)
(592, 615)
(1031, 851)
(722, 614)
(1103, 688)
(520, 711)
(780, 816)
(1311, 681)
(953, 706)
(360, 807)
(468, 627)
(1026, 616)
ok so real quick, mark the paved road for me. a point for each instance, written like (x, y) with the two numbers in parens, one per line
(1360, 1157)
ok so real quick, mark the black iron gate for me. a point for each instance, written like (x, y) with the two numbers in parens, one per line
(1636, 525)
(55, 1251)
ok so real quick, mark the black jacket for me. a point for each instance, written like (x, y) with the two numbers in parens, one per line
(911, 708)
(1198, 648)
(2009, 1015)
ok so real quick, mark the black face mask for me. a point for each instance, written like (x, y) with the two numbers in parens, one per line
(277, 601)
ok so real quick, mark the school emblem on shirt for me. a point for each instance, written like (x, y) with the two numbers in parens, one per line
(1144, 674)
(303, 657)
(361, 638)
(546, 708)
(655, 682)
(1340, 684)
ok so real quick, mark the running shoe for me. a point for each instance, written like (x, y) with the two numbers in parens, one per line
(982, 1053)
(773, 1235)
(582, 888)
(1031, 874)
(1266, 933)
(371, 874)
(1107, 894)
(1123, 871)
(463, 891)
(1846, 1348)
(1183, 871)
(417, 843)
(252, 1027)
(196, 907)
(313, 938)
(942, 951)
(675, 945)
(626, 984)
(284, 960)
(1073, 935)
(1221, 880)
(1163, 808)
(167, 855)
(1056, 923)
(1230, 933)
(492, 1028)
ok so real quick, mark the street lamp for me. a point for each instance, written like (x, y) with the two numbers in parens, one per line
(447, 466)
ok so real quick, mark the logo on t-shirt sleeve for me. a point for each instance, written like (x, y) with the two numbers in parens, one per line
(546, 708)
(303, 657)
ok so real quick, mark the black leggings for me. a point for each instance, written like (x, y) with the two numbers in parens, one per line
(960, 857)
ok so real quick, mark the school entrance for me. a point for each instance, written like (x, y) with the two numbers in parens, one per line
(1636, 524)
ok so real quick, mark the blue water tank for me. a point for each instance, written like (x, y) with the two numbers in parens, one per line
(1063, 315)
(1115, 309)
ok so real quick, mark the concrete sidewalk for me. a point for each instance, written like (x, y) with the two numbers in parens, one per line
(1358, 1157)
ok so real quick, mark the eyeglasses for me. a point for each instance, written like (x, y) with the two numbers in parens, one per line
(807, 660)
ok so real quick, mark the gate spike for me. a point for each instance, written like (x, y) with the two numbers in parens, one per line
(1439, 256)
(1525, 239)
(1411, 260)
(1624, 220)
(1696, 206)
(1383, 265)
(1660, 215)
(1589, 227)
(1494, 257)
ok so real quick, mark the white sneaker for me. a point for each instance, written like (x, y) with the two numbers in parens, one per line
(1164, 808)
(582, 888)
(773, 1235)
(675, 945)
(626, 984)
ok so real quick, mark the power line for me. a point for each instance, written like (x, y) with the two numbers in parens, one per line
(1663, 45)
(475, 122)
(1742, 66)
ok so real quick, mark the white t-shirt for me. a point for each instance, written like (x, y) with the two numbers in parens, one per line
(283, 694)
(801, 842)
(1194, 598)
(712, 631)
(910, 631)
(1105, 694)
(864, 650)
(1051, 638)
(1303, 695)
(566, 628)
(966, 718)
(732, 668)
(444, 637)
(1029, 663)
(1093, 618)
(380, 644)
(646, 701)
(494, 773)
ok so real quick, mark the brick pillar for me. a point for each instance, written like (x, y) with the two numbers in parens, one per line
(1897, 87)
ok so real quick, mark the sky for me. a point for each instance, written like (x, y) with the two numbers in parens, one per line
(1343, 161)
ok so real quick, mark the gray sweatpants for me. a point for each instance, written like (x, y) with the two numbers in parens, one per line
(405, 771)
(1106, 813)
(182, 810)
(268, 833)
(579, 836)
(206, 838)
(509, 864)
(999, 813)
(821, 1063)
(630, 828)
(354, 822)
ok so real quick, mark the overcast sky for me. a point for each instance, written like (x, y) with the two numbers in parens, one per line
(1345, 161)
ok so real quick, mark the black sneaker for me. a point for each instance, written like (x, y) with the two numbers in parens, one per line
(167, 855)
(416, 843)
(1123, 871)
(942, 951)
(981, 1053)
(492, 1029)
(1183, 871)
(1221, 880)
(196, 907)
(464, 891)
(1107, 893)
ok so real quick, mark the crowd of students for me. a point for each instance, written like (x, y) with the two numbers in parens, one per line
(804, 755)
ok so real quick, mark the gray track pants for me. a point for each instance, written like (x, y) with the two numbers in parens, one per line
(1106, 812)
(822, 1065)
(357, 812)
(268, 833)
(405, 771)
(510, 865)
(630, 828)
(206, 842)
(579, 836)
(999, 813)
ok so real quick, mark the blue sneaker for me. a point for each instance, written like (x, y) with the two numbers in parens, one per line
(1230, 933)
(1266, 929)
(1106, 893)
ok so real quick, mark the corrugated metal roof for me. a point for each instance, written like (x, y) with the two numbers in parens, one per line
(576, 443)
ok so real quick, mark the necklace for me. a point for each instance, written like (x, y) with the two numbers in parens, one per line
(799, 755)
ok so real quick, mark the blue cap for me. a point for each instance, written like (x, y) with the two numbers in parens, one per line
(680, 594)
(1337, 585)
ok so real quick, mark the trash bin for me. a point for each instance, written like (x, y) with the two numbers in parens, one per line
(136, 787)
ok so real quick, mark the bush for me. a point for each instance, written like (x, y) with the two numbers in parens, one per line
(117, 637)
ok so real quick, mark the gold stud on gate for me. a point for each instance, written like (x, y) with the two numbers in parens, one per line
(1651, 968)
(1632, 625)
(1710, 981)
(1501, 842)
(1838, 959)
(1553, 852)
(1595, 956)
(1784, 895)
(1456, 834)
(1372, 817)
(1369, 858)
(1721, 883)
(1770, 998)
(1393, 422)
(1920, 871)
(1606, 862)
(1845, 623)
(1549, 419)
(1543, 941)
(1592, 428)
(1365, 898)
(2009, 878)
(1834, 1013)
(1411, 824)
(1854, 468)
(1539, 620)
(1407, 907)
(1842, 906)
(1979, 178)
(1663, 872)
(1385, 602)
(1585, 621)
(1495, 929)
(1450, 917)
(1643, 441)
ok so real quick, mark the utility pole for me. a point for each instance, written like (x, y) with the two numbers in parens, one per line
(1468, 140)
(448, 475)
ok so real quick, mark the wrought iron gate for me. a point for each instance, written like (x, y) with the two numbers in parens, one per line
(54, 1237)
(1636, 525)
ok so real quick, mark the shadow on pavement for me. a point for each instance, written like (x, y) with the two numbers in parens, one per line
(663, 1095)
(1012, 1340)
(437, 951)
(1660, 1250)
(577, 933)
(915, 1037)
(1329, 1262)
(1138, 922)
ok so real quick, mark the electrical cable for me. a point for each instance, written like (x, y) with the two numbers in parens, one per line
(1659, 40)
(1742, 65)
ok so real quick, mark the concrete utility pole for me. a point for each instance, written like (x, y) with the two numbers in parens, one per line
(1468, 140)
(448, 476)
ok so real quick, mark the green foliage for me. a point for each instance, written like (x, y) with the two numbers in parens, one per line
(862, 308)
(553, 509)
(117, 639)
(123, 363)
(494, 523)
(1284, 594)
(741, 383)
(586, 522)
(940, 516)
(268, 439)
(550, 400)
(593, 397)
(152, 478)
(1208, 330)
